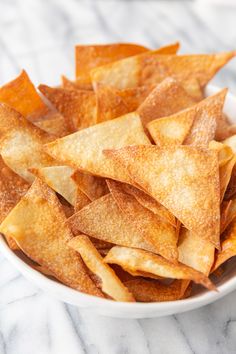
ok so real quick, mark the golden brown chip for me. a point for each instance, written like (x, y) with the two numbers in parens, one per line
(171, 130)
(88, 57)
(78, 107)
(195, 252)
(21, 143)
(103, 219)
(81, 200)
(94, 187)
(55, 125)
(21, 95)
(231, 142)
(37, 223)
(184, 179)
(228, 246)
(225, 175)
(228, 213)
(148, 224)
(137, 259)
(74, 85)
(167, 98)
(59, 179)
(110, 283)
(149, 68)
(224, 128)
(225, 153)
(84, 150)
(155, 291)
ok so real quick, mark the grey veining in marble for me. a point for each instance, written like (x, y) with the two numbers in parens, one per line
(39, 35)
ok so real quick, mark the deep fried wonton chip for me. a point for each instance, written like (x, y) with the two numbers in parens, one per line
(225, 175)
(195, 252)
(110, 283)
(94, 187)
(78, 107)
(37, 223)
(55, 125)
(228, 213)
(184, 179)
(225, 153)
(149, 68)
(103, 219)
(84, 149)
(146, 222)
(21, 143)
(137, 259)
(74, 85)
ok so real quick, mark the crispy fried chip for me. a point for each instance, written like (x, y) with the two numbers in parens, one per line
(21, 143)
(110, 283)
(152, 291)
(195, 252)
(171, 130)
(225, 175)
(225, 153)
(231, 188)
(88, 57)
(81, 200)
(59, 179)
(37, 224)
(184, 179)
(137, 259)
(150, 203)
(21, 95)
(165, 99)
(149, 68)
(231, 142)
(228, 246)
(148, 224)
(74, 85)
(55, 125)
(78, 107)
(84, 150)
(103, 219)
(92, 186)
(207, 114)
(228, 213)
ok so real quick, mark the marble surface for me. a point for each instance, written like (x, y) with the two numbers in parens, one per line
(39, 36)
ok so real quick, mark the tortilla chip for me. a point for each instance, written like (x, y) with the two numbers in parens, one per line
(171, 130)
(154, 291)
(224, 128)
(150, 203)
(231, 142)
(55, 125)
(84, 150)
(146, 223)
(165, 99)
(228, 213)
(21, 143)
(110, 283)
(88, 57)
(149, 68)
(225, 153)
(225, 175)
(207, 114)
(195, 252)
(228, 246)
(21, 95)
(74, 85)
(81, 200)
(37, 223)
(59, 179)
(78, 107)
(231, 188)
(184, 179)
(103, 219)
(137, 259)
(92, 186)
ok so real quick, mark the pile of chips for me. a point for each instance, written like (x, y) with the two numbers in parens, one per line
(121, 183)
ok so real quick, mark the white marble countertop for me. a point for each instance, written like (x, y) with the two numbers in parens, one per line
(39, 36)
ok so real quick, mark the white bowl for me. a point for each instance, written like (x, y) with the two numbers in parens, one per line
(225, 284)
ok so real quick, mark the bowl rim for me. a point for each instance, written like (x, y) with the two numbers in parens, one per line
(75, 297)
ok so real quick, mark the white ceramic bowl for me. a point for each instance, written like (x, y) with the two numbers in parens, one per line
(226, 283)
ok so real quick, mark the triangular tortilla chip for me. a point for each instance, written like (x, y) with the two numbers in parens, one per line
(171, 130)
(228, 246)
(195, 252)
(207, 114)
(21, 143)
(154, 291)
(94, 187)
(37, 224)
(84, 150)
(228, 213)
(149, 68)
(147, 223)
(81, 200)
(78, 107)
(103, 219)
(231, 188)
(88, 57)
(21, 95)
(165, 99)
(110, 283)
(150, 203)
(137, 259)
(55, 125)
(59, 179)
(74, 85)
(225, 175)
(225, 153)
(184, 179)
(231, 142)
